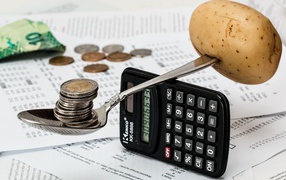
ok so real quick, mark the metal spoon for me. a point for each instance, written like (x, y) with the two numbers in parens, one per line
(45, 119)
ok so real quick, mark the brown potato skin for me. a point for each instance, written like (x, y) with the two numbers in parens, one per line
(246, 43)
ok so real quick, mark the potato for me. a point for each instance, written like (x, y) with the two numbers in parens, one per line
(245, 42)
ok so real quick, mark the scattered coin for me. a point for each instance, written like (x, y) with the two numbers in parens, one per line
(118, 57)
(61, 60)
(93, 56)
(112, 48)
(95, 68)
(141, 52)
(84, 48)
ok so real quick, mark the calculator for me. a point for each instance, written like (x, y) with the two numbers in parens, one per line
(176, 122)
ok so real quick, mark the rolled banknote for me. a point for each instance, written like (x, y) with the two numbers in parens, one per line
(27, 36)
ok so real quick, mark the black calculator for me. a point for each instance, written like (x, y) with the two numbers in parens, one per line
(176, 122)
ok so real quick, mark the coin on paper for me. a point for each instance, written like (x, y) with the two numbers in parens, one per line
(93, 56)
(95, 68)
(118, 57)
(84, 48)
(61, 60)
(141, 52)
(112, 48)
(79, 87)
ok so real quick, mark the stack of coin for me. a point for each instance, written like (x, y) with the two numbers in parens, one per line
(74, 107)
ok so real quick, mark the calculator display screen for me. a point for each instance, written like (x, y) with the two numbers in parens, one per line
(145, 125)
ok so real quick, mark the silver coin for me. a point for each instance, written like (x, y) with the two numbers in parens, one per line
(84, 48)
(69, 119)
(86, 125)
(77, 100)
(71, 116)
(73, 106)
(112, 48)
(141, 52)
(72, 111)
(92, 120)
(85, 122)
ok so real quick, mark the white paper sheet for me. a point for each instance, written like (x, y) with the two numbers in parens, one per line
(255, 139)
(261, 171)
(115, 24)
(62, 6)
(134, 21)
(252, 141)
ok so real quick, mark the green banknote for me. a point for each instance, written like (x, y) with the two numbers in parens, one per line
(27, 36)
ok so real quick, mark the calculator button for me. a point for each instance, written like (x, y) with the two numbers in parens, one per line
(200, 133)
(168, 138)
(168, 123)
(177, 156)
(199, 162)
(201, 118)
(169, 108)
(169, 94)
(190, 115)
(210, 166)
(178, 126)
(213, 106)
(179, 111)
(167, 152)
(179, 97)
(199, 148)
(212, 121)
(211, 136)
(201, 102)
(188, 159)
(191, 100)
(189, 129)
(178, 141)
(210, 151)
(189, 144)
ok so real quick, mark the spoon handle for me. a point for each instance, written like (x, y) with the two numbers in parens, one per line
(191, 67)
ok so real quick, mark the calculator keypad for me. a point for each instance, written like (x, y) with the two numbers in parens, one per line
(192, 130)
